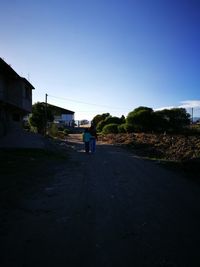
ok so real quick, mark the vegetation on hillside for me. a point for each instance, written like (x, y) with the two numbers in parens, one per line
(166, 134)
(144, 119)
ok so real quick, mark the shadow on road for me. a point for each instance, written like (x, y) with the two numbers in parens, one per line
(105, 209)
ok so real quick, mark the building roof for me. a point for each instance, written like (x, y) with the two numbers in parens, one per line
(8, 70)
(27, 83)
(61, 110)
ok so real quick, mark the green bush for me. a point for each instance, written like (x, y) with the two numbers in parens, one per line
(110, 128)
(99, 118)
(100, 126)
(122, 128)
(53, 130)
(142, 119)
(113, 120)
(109, 120)
(129, 128)
(41, 114)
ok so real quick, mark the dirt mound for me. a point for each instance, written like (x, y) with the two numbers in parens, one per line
(163, 146)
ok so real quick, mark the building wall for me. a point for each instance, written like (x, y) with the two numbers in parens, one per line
(2, 86)
(16, 92)
(26, 97)
(67, 117)
(11, 118)
(13, 92)
(15, 102)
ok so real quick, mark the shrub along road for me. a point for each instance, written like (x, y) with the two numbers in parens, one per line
(106, 209)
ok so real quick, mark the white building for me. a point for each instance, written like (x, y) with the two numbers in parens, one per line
(62, 116)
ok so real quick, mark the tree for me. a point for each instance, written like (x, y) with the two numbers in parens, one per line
(144, 119)
(115, 120)
(122, 128)
(110, 128)
(140, 119)
(109, 120)
(100, 125)
(39, 115)
(172, 119)
(123, 119)
(179, 118)
(99, 118)
(160, 122)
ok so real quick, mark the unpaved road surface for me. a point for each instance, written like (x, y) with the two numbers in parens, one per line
(104, 210)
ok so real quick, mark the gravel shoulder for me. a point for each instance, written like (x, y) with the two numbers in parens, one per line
(107, 209)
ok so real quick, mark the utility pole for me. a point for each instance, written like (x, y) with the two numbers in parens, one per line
(192, 115)
(45, 129)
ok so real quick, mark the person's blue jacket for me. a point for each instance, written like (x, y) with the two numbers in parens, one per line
(86, 137)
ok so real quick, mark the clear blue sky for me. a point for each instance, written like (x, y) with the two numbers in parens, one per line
(96, 56)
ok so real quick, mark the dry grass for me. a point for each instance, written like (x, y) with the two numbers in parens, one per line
(170, 147)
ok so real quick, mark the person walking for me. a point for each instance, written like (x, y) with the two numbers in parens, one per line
(93, 138)
(86, 139)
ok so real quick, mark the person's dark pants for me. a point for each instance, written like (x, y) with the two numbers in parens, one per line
(93, 145)
(87, 147)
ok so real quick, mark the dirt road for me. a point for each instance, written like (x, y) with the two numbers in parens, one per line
(106, 209)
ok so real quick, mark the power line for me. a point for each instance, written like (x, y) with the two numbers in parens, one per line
(86, 103)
